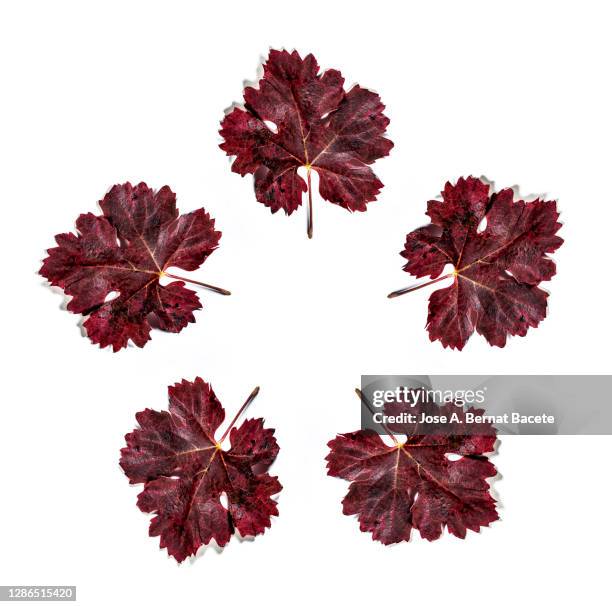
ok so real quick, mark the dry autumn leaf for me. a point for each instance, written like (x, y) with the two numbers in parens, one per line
(497, 267)
(299, 117)
(186, 471)
(413, 483)
(112, 266)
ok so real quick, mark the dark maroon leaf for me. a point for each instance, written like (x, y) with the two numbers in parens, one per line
(497, 269)
(414, 483)
(186, 471)
(126, 250)
(316, 125)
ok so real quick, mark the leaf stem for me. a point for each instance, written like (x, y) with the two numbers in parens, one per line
(310, 221)
(197, 282)
(417, 287)
(367, 403)
(247, 402)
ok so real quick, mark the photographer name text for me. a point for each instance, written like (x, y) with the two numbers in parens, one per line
(470, 418)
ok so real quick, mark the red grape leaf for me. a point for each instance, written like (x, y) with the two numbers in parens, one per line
(126, 251)
(317, 125)
(413, 484)
(185, 471)
(497, 269)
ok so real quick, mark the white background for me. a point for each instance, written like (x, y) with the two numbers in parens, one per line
(97, 94)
